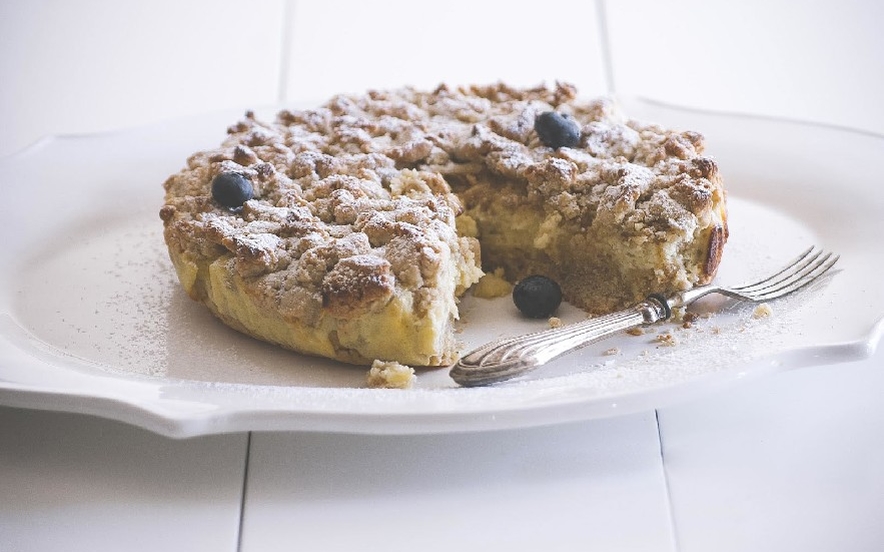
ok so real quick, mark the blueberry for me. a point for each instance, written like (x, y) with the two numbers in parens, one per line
(537, 296)
(556, 130)
(232, 189)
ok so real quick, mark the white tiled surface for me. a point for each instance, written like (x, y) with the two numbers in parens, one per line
(588, 486)
(97, 65)
(789, 463)
(792, 462)
(70, 482)
(398, 42)
(820, 61)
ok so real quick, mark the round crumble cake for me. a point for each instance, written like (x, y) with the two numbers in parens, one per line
(349, 231)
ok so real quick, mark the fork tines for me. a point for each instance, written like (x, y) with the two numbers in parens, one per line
(807, 267)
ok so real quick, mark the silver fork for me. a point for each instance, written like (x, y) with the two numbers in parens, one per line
(512, 357)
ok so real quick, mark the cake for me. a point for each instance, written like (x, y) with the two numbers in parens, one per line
(349, 231)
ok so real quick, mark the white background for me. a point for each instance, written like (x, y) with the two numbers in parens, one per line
(791, 462)
(97, 65)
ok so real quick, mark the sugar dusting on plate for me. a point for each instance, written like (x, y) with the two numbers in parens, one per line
(117, 305)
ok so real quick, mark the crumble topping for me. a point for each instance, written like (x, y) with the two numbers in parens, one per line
(323, 174)
(359, 200)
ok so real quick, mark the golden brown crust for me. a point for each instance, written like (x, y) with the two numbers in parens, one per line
(355, 283)
(717, 239)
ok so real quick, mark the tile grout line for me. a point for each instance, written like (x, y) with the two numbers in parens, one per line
(242, 497)
(282, 87)
(605, 46)
(670, 509)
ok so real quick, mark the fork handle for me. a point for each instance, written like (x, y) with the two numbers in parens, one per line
(512, 357)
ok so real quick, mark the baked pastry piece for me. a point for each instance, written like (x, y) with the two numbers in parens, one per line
(362, 222)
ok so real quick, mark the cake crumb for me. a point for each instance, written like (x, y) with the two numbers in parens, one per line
(666, 339)
(611, 352)
(763, 310)
(390, 375)
(679, 313)
(555, 322)
(636, 331)
(492, 285)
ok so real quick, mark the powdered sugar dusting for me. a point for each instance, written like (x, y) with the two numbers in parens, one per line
(114, 302)
(105, 299)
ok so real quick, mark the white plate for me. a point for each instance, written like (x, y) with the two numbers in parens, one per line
(93, 321)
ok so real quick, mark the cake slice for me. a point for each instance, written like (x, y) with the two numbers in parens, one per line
(349, 231)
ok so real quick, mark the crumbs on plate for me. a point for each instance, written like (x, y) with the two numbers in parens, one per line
(492, 285)
(390, 375)
(762, 310)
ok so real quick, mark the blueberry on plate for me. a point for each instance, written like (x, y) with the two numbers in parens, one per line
(537, 296)
(556, 130)
(232, 189)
